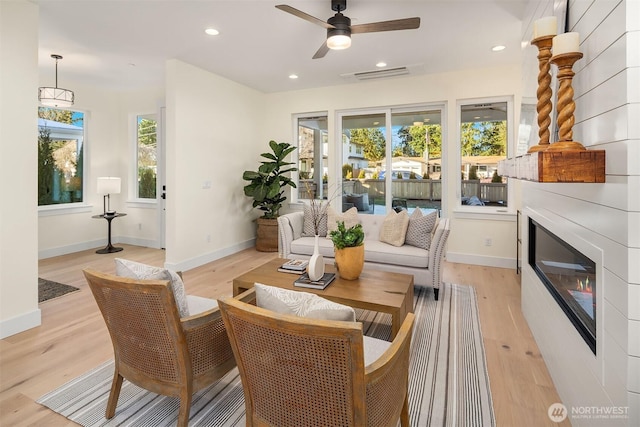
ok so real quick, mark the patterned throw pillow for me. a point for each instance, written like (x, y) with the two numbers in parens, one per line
(350, 218)
(420, 229)
(136, 270)
(308, 230)
(394, 228)
(302, 304)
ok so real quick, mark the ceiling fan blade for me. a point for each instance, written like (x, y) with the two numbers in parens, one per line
(305, 16)
(322, 51)
(396, 24)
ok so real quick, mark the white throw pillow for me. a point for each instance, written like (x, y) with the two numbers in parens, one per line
(350, 218)
(419, 232)
(302, 304)
(394, 228)
(136, 270)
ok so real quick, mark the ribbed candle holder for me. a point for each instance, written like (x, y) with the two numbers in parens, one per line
(565, 105)
(544, 92)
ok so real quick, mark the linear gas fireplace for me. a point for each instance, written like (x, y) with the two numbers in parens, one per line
(570, 277)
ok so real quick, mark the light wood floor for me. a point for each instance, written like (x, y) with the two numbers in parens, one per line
(73, 338)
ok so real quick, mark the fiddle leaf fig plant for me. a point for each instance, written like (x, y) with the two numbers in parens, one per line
(267, 184)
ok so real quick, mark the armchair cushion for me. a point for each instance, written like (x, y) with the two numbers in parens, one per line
(301, 304)
(199, 305)
(136, 270)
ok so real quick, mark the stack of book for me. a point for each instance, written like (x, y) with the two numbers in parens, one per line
(305, 282)
(294, 266)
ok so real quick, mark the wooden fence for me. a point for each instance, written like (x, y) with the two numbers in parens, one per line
(419, 189)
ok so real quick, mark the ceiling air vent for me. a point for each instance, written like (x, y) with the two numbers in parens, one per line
(383, 73)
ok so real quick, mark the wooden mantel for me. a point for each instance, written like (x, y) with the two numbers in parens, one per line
(556, 166)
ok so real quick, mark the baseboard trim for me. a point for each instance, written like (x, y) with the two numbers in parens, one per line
(209, 257)
(96, 244)
(21, 323)
(488, 261)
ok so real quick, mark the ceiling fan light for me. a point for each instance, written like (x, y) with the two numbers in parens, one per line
(338, 42)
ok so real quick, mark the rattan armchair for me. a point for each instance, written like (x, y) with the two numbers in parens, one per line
(153, 347)
(307, 372)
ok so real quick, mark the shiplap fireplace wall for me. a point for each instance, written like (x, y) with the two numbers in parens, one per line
(601, 220)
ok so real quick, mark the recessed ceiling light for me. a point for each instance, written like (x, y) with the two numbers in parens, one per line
(212, 31)
(381, 64)
(498, 48)
(293, 76)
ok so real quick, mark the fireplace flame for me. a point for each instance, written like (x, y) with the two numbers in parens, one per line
(584, 286)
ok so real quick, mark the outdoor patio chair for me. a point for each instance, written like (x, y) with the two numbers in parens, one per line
(153, 347)
(299, 371)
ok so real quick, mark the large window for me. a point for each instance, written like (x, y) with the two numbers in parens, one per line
(146, 155)
(485, 137)
(60, 156)
(402, 174)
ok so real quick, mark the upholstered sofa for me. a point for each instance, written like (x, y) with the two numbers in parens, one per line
(424, 264)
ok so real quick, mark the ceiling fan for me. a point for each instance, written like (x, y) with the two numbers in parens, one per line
(339, 28)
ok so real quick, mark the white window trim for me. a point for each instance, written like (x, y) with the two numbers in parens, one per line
(484, 212)
(132, 191)
(388, 111)
(76, 207)
(295, 156)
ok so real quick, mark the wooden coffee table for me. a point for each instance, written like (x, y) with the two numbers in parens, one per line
(375, 290)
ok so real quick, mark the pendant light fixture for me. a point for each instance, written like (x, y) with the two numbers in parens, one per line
(55, 96)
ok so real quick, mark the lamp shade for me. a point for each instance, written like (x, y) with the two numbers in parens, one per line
(108, 185)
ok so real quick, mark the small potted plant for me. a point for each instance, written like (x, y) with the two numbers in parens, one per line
(348, 245)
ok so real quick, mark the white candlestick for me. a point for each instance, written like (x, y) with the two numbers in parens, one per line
(547, 26)
(566, 43)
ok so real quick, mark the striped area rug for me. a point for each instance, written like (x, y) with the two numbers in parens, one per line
(449, 383)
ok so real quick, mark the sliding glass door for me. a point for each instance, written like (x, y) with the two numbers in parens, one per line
(391, 158)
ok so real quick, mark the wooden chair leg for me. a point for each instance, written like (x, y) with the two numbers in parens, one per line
(116, 385)
(185, 408)
(404, 415)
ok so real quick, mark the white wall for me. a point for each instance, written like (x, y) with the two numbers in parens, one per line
(109, 117)
(214, 133)
(603, 216)
(467, 231)
(18, 132)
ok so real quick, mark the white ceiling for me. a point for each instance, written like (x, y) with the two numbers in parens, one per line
(124, 44)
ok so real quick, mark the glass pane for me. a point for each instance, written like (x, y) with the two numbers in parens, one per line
(363, 155)
(60, 156)
(416, 151)
(483, 143)
(147, 156)
(312, 157)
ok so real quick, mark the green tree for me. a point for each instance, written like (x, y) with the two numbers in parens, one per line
(414, 140)
(346, 170)
(372, 141)
(473, 173)
(483, 138)
(46, 167)
(147, 184)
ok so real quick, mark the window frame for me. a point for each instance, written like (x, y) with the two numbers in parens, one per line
(133, 197)
(388, 111)
(461, 210)
(72, 207)
(295, 155)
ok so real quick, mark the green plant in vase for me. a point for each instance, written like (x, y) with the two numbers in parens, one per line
(348, 244)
